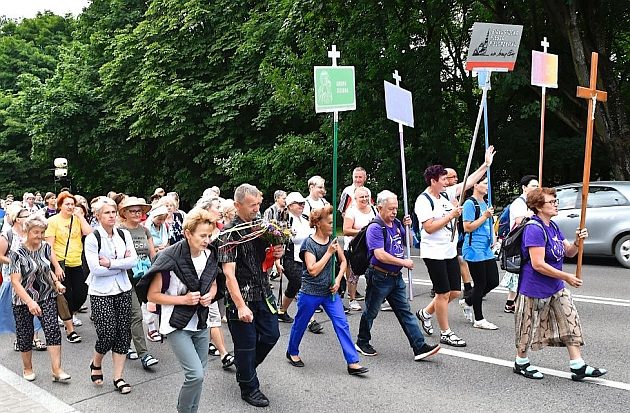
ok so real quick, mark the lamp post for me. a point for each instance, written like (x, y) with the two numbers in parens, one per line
(61, 171)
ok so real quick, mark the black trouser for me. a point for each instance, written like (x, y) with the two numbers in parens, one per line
(76, 288)
(486, 278)
(112, 319)
(293, 272)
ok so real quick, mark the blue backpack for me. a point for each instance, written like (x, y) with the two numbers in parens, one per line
(504, 220)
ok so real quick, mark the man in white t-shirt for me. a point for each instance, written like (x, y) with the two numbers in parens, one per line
(518, 211)
(316, 193)
(359, 176)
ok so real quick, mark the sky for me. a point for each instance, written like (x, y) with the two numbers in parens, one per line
(29, 8)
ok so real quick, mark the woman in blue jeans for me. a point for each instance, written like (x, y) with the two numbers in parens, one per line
(318, 289)
(183, 281)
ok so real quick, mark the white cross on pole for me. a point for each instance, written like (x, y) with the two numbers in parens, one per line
(334, 54)
(396, 76)
(544, 44)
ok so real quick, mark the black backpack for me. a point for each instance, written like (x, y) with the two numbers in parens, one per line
(97, 235)
(416, 226)
(511, 255)
(358, 253)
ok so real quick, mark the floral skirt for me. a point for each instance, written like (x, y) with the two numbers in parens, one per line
(547, 322)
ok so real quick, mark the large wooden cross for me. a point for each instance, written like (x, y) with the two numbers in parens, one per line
(593, 95)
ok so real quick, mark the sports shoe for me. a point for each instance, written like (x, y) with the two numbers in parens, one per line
(468, 310)
(452, 339)
(425, 322)
(386, 307)
(485, 325)
(355, 306)
(425, 351)
(509, 308)
(314, 327)
(365, 349)
(319, 310)
(358, 296)
(284, 317)
(148, 361)
(76, 321)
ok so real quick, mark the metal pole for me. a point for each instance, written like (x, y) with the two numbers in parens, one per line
(406, 207)
(334, 194)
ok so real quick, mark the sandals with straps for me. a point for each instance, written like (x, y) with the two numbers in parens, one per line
(122, 386)
(527, 371)
(38, 345)
(213, 350)
(452, 339)
(96, 378)
(227, 361)
(582, 373)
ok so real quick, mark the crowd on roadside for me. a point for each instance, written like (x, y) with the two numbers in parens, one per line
(152, 271)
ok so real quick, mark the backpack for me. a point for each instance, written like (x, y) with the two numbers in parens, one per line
(511, 255)
(460, 222)
(504, 220)
(416, 228)
(97, 235)
(358, 253)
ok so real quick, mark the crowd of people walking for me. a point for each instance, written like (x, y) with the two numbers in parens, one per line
(180, 276)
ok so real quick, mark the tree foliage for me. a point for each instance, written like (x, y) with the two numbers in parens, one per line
(190, 94)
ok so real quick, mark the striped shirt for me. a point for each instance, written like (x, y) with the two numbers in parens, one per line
(34, 268)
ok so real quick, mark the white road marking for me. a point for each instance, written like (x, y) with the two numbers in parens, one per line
(550, 372)
(619, 302)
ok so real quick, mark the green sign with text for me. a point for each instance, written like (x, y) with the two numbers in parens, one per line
(334, 88)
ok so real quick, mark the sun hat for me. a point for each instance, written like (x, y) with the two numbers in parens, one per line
(133, 201)
(157, 211)
(295, 197)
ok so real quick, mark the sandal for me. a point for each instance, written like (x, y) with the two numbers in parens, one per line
(132, 354)
(425, 322)
(154, 336)
(73, 337)
(38, 345)
(122, 386)
(213, 350)
(452, 340)
(314, 327)
(227, 360)
(15, 346)
(96, 378)
(583, 372)
(527, 371)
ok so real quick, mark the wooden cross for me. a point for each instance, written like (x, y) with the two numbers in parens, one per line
(593, 95)
(334, 54)
(544, 44)
(396, 76)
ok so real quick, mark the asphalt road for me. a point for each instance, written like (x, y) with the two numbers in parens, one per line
(476, 378)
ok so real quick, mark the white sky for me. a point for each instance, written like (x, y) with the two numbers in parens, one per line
(29, 8)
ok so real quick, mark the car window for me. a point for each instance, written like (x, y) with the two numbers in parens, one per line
(567, 197)
(604, 196)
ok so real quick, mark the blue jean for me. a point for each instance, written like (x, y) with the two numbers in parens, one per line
(393, 288)
(191, 349)
(252, 342)
(306, 305)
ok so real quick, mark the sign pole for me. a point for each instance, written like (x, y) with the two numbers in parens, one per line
(485, 127)
(334, 54)
(398, 78)
(543, 104)
(482, 104)
(593, 95)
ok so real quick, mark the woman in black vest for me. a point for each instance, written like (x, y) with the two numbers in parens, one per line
(183, 281)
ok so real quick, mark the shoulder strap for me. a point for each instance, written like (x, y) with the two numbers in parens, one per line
(534, 222)
(430, 200)
(65, 254)
(374, 210)
(97, 235)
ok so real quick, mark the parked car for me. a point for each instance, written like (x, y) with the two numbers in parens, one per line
(607, 217)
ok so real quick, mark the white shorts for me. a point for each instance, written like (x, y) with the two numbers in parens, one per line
(214, 316)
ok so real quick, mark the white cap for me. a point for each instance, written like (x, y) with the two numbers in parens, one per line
(295, 197)
(160, 210)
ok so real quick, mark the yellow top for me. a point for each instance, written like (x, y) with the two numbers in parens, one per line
(59, 228)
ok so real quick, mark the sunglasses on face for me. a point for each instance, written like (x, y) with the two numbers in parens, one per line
(134, 211)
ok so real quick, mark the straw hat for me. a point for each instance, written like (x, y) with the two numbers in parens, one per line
(133, 201)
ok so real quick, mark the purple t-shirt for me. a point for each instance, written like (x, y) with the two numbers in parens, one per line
(393, 246)
(533, 283)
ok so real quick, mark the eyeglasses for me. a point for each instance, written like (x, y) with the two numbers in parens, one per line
(134, 211)
(553, 201)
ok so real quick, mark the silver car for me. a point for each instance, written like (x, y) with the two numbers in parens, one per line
(607, 217)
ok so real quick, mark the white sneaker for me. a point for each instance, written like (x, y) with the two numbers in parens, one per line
(355, 306)
(468, 310)
(485, 325)
(386, 307)
(76, 321)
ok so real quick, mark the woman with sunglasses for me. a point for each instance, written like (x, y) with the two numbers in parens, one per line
(545, 313)
(130, 212)
(11, 240)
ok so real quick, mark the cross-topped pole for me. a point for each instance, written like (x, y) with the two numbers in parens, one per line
(593, 95)
(397, 77)
(543, 104)
(334, 54)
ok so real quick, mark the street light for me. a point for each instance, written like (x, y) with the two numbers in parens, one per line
(61, 170)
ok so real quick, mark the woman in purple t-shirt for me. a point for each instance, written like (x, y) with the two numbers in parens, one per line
(545, 313)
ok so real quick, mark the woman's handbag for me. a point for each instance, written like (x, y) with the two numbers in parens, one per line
(62, 308)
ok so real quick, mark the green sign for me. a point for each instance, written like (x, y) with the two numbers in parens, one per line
(334, 88)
